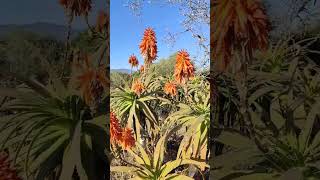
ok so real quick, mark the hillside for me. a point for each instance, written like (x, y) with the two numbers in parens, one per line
(127, 71)
(57, 32)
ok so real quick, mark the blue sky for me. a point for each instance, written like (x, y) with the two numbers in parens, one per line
(126, 31)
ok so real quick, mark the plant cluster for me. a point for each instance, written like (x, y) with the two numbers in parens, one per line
(266, 106)
(167, 115)
(55, 127)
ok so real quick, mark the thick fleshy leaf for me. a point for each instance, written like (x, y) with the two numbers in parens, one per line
(126, 169)
(178, 177)
(235, 139)
(72, 156)
(171, 165)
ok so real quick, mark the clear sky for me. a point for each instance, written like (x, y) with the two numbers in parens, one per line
(127, 31)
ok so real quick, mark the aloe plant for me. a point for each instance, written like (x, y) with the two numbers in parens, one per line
(53, 131)
(152, 166)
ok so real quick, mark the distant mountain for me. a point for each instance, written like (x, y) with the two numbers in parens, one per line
(54, 31)
(127, 71)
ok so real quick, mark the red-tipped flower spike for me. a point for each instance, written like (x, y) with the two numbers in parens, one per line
(133, 61)
(184, 68)
(148, 46)
(115, 129)
(141, 69)
(91, 80)
(137, 87)
(239, 25)
(170, 88)
(77, 7)
(128, 140)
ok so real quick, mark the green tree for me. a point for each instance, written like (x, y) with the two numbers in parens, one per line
(165, 66)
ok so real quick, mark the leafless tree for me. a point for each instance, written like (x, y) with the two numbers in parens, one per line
(196, 21)
(295, 16)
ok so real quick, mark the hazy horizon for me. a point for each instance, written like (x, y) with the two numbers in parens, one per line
(33, 11)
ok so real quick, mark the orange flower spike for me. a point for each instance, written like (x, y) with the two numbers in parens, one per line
(141, 69)
(85, 7)
(137, 87)
(238, 23)
(170, 88)
(184, 68)
(84, 78)
(84, 82)
(133, 61)
(115, 129)
(128, 140)
(148, 46)
(90, 80)
(77, 7)
(102, 78)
